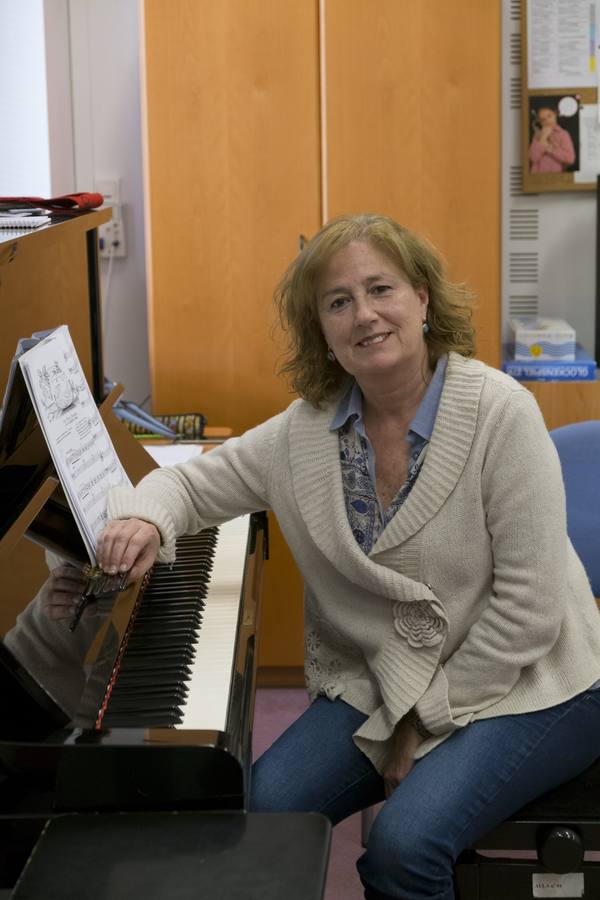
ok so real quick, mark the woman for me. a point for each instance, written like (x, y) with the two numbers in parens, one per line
(451, 635)
(551, 149)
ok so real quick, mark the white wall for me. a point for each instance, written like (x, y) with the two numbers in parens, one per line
(105, 79)
(24, 154)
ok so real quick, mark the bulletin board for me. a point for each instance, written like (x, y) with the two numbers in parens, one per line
(560, 66)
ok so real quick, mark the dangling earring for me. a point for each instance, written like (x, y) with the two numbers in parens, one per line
(425, 328)
(331, 356)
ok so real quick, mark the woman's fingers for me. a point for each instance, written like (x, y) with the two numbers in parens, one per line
(128, 544)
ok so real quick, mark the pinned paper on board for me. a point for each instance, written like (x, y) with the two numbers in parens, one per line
(560, 65)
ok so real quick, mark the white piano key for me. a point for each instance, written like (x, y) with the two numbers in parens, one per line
(210, 680)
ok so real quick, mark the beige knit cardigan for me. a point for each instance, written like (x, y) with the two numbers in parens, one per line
(471, 604)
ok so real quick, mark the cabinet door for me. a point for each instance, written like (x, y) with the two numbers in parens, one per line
(233, 179)
(413, 130)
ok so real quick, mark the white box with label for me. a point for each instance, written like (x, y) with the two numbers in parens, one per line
(551, 339)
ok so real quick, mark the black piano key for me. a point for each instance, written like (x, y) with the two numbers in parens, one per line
(187, 653)
(155, 719)
(188, 564)
(154, 631)
(163, 608)
(180, 594)
(155, 662)
(176, 692)
(142, 703)
(179, 620)
(151, 679)
(181, 577)
(164, 664)
(183, 568)
(170, 610)
(165, 628)
(202, 538)
(161, 643)
(165, 707)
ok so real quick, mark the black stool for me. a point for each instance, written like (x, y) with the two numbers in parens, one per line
(556, 830)
(136, 856)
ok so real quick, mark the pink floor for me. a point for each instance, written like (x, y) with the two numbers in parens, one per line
(276, 708)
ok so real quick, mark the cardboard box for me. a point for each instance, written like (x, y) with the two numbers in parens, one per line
(543, 339)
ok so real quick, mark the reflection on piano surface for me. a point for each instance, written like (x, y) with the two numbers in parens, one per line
(148, 703)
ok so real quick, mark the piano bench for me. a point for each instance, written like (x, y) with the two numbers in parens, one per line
(150, 856)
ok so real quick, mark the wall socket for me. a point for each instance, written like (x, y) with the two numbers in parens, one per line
(111, 238)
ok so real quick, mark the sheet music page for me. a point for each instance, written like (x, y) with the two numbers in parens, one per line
(82, 451)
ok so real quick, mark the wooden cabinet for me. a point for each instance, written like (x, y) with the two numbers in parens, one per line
(563, 402)
(413, 131)
(263, 119)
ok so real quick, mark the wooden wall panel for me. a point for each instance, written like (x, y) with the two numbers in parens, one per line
(233, 175)
(233, 178)
(563, 402)
(413, 130)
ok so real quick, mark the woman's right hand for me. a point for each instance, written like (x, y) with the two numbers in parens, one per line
(128, 545)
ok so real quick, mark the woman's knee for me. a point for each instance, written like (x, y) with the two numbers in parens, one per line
(406, 858)
(273, 789)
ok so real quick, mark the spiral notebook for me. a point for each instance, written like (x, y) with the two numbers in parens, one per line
(23, 221)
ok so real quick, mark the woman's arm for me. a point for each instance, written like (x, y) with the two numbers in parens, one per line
(537, 149)
(209, 489)
(561, 147)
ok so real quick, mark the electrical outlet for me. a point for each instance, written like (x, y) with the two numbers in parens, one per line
(111, 239)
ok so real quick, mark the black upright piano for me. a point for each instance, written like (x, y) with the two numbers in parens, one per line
(148, 703)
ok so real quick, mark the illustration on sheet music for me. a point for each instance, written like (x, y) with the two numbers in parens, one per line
(82, 451)
(61, 383)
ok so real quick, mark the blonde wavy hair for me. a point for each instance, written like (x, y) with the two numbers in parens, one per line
(316, 378)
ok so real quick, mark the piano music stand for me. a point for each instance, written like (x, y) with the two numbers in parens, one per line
(240, 856)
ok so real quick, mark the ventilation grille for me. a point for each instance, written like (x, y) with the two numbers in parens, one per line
(515, 50)
(523, 307)
(524, 224)
(515, 10)
(515, 92)
(516, 181)
(523, 268)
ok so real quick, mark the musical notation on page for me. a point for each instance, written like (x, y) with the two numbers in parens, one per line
(82, 451)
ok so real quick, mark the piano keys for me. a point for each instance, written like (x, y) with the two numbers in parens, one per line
(175, 669)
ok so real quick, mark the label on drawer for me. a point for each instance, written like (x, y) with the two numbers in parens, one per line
(545, 884)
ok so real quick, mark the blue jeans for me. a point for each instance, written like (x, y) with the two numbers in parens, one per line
(451, 797)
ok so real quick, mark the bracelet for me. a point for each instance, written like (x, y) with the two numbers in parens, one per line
(413, 718)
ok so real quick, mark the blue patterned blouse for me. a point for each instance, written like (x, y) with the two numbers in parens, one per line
(366, 515)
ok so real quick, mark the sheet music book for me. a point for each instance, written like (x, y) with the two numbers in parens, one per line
(23, 221)
(82, 451)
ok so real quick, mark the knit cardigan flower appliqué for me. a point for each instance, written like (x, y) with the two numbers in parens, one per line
(419, 623)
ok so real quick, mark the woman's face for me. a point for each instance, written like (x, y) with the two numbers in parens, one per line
(546, 118)
(370, 314)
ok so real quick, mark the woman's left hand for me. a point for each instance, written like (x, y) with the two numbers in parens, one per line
(403, 745)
